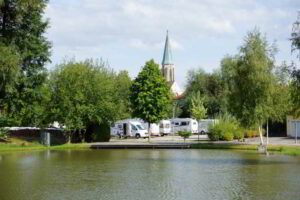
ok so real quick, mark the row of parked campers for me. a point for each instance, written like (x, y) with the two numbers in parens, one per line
(139, 129)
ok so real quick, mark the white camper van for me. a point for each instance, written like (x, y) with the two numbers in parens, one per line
(129, 128)
(154, 128)
(204, 124)
(184, 124)
(165, 127)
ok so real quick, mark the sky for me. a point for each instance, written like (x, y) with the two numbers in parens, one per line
(127, 33)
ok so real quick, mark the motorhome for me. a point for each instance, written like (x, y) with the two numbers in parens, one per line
(129, 128)
(184, 124)
(203, 125)
(165, 127)
(154, 128)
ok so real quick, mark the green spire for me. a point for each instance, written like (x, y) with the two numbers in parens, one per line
(167, 59)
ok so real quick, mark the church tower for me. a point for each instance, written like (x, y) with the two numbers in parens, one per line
(167, 63)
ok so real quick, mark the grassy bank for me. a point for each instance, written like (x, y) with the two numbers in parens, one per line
(18, 144)
(286, 150)
(29, 147)
(23, 145)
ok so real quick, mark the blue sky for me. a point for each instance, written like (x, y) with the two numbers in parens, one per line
(126, 33)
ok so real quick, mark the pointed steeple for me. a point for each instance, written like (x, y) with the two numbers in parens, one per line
(167, 59)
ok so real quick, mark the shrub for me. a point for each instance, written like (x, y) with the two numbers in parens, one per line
(228, 136)
(226, 129)
(251, 133)
(3, 133)
(238, 134)
(214, 132)
(184, 134)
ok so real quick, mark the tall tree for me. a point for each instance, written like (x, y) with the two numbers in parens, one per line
(295, 36)
(150, 94)
(123, 84)
(83, 94)
(197, 108)
(251, 90)
(210, 86)
(9, 74)
(295, 85)
(22, 26)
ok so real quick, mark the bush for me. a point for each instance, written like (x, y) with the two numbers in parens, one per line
(3, 133)
(226, 129)
(238, 134)
(214, 132)
(251, 133)
(184, 134)
(228, 136)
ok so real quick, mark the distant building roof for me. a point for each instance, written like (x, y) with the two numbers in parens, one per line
(167, 59)
(176, 90)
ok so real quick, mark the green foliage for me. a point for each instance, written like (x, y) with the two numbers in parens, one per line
(22, 28)
(295, 92)
(122, 87)
(150, 95)
(197, 108)
(249, 79)
(184, 134)
(84, 93)
(227, 128)
(3, 133)
(251, 133)
(211, 89)
(9, 70)
(295, 36)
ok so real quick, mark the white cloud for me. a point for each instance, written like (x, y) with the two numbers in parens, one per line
(118, 29)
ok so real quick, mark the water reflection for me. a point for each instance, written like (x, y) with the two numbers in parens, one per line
(147, 174)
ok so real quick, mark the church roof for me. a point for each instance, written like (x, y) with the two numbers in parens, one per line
(167, 59)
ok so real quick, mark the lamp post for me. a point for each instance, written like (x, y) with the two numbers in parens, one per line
(172, 123)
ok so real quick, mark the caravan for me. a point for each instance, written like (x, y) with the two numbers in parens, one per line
(154, 128)
(129, 128)
(184, 124)
(204, 124)
(165, 127)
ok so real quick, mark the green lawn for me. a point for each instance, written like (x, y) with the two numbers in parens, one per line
(23, 145)
(287, 150)
(18, 144)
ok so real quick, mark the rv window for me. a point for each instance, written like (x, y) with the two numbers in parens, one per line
(140, 127)
(167, 125)
(120, 126)
(176, 124)
(184, 123)
(161, 126)
(133, 127)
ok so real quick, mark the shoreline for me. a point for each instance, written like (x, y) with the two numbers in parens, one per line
(291, 150)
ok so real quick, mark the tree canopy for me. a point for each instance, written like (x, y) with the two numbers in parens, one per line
(150, 94)
(22, 28)
(87, 92)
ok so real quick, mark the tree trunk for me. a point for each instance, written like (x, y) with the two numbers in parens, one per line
(260, 135)
(83, 135)
(149, 132)
(69, 137)
(267, 132)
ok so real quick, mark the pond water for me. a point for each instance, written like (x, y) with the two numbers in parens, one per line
(147, 174)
